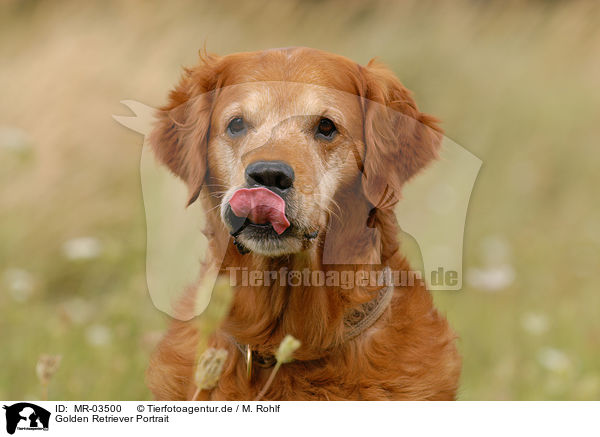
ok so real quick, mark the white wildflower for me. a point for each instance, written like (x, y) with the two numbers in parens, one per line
(554, 360)
(14, 139)
(20, 284)
(534, 323)
(491, 278)
(98, 335)
(82, 248)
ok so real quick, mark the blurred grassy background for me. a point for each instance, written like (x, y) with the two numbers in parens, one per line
(516, 83)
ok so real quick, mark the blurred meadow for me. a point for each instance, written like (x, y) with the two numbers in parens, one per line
(516, 83)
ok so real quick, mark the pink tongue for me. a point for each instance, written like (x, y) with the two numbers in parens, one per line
(260, 206)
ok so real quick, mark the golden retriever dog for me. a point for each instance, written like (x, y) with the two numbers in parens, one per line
(299, 157)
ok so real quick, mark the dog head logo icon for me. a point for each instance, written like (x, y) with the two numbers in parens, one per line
(26, 416)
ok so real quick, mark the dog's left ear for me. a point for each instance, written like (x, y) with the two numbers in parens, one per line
(399, 139)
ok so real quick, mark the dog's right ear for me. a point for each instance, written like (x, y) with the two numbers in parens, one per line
(179, 138)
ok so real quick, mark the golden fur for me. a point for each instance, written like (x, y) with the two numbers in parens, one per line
(354, 181)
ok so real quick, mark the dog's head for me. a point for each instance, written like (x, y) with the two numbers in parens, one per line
(276, 137)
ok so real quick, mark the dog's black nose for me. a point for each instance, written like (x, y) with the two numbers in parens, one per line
(274, 174)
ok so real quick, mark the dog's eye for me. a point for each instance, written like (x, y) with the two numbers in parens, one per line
(326, 129)
(236, 127)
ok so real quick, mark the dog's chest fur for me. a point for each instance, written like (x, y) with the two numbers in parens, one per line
(408, 354)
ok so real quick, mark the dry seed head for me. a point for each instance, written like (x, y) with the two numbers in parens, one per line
(46, 367)
(286, 349)
(209, 368)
